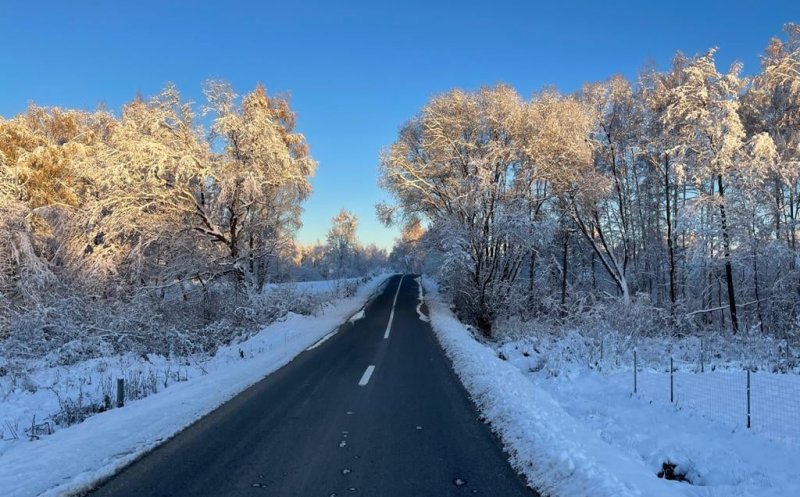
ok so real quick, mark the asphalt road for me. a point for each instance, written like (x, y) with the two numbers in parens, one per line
(324, 426)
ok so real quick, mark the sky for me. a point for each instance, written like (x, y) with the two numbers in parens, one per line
(355, 70)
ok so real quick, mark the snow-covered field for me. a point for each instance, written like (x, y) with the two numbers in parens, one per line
(72, 458)
(314, 287)
(578, 431)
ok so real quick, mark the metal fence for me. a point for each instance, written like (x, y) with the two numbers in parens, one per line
(745, 398)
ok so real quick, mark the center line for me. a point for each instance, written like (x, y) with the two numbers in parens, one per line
(367, 375)
(391, 315)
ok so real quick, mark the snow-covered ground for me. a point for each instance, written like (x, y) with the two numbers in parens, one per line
(71, 459)
(716, 453)
(315, 287)
(578, 431)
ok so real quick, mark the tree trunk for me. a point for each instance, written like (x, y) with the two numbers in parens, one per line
(726, 245)
(564, 259)
(669, 236)
(531, 275)
(755, 283)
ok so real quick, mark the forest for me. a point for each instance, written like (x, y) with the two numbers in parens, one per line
(157, 230)
(665, 203)
(668, 202)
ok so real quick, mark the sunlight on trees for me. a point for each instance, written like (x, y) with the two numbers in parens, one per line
(96, 207)
(677, 191)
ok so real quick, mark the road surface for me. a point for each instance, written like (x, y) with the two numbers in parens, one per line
(374, 410)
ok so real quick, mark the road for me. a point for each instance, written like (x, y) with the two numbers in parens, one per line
(372, 411)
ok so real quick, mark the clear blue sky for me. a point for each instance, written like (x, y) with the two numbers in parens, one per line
(355, 70)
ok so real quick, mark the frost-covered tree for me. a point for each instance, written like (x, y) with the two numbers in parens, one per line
(704, 115)
(144, 210)
(342, 244)
(772, 106)
(453, 165)
(252, 204)
(677, 192)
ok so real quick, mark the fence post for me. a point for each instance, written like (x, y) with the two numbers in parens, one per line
(601, 354)
(748, 397)
(635, 370)
(671, 382)
(120, 392)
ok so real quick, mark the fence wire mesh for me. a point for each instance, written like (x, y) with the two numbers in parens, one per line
(771, 408)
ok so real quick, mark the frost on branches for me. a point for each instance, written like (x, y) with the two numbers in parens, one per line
(129, 232)
(676, 193)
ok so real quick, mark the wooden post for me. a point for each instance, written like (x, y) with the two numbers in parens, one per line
(120, 392)
(635, 385)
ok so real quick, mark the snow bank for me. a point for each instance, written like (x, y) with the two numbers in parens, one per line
(74, 458)
(558, 455)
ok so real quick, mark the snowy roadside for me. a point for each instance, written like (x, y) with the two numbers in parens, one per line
(317, 286)
(558, 454)
(72, 459)
(719, 459)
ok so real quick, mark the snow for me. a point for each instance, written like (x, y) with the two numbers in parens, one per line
(558, 454)
(355, 317)
(421, 299)
(72, 459)
(314, 287)
(323, 339)
(573, 426)
(720, 458)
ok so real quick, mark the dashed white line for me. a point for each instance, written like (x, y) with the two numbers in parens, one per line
(391, 315)
(366, 376)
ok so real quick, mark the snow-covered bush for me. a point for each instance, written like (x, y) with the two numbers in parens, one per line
(561, 348)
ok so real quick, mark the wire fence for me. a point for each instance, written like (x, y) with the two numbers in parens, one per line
(743, 398)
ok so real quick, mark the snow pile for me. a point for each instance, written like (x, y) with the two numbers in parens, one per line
(72, 459)
(421, 299)
(558, 454)
(355, 317)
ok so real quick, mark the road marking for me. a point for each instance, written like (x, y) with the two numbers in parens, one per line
(391, 315)
(367, 375)
(322, 340)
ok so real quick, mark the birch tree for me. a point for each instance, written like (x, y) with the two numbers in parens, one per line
(705, 115)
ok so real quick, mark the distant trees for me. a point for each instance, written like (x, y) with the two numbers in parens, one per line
(342, 243)
(678, 192)
(342, 255)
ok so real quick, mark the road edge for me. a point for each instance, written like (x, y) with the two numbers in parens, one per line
(89, 478)
(556, 455)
